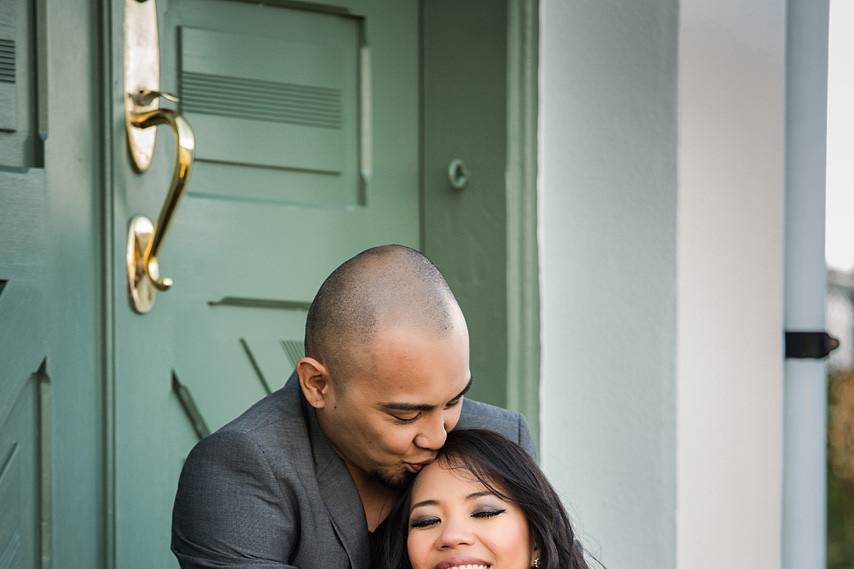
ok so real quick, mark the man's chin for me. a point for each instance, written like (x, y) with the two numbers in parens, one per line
(396, 480)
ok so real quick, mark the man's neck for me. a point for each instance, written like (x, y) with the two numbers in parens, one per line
(377, 498)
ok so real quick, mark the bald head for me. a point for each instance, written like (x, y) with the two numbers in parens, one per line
(384, 287)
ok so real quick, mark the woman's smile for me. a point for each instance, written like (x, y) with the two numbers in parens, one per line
(456, 522)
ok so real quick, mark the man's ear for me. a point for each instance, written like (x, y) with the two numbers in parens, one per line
(314, 381)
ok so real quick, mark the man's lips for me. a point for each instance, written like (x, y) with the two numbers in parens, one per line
(416, 467)
(459, 562)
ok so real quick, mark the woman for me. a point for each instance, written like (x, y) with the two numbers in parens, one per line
(483, 503)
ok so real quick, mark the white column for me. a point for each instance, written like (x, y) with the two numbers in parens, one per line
(804, 531)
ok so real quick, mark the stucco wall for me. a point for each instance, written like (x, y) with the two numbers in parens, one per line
(662, 163)
(730, 272)
(608, 272)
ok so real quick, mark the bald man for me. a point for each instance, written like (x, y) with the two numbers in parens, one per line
(303, 477)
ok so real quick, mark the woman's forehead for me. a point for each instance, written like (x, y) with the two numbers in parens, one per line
(445, 480)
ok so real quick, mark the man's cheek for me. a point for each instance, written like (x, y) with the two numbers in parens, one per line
(453, 418)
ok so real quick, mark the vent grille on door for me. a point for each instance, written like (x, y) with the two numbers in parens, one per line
(7, 61)
(261, 100)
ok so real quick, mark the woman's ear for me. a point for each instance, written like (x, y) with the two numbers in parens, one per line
(314, 381)
(535, 557)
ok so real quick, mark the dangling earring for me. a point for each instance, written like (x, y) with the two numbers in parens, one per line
(536, 562)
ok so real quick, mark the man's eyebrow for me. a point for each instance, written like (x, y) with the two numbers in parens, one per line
(391, 406)
(423, 503)
(463, 392)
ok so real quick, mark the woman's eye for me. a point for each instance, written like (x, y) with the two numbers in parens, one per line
(409, 419)
(487, 513)
(423, 522)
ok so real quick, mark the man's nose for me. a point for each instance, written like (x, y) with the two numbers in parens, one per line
(435, 431)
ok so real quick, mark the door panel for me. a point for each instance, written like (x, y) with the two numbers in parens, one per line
(50, 236)
(296, 111)
(22, 351)
(22, 291)
(18, 477)
(17, 84)
(306, 126)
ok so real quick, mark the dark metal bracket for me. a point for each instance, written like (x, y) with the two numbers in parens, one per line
(809, 345)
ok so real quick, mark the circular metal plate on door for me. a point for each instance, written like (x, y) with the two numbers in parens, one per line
(141, 75)
(458, 174)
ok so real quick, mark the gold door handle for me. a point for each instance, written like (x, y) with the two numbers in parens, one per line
(145, 239)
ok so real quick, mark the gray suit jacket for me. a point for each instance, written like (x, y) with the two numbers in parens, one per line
(268, 491)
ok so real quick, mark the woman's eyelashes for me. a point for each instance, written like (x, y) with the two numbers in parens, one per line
(488, 513)
(423, 522)
(430, 521)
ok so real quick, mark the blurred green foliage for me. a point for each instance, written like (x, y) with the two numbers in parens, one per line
(840, 522)
(840, 471)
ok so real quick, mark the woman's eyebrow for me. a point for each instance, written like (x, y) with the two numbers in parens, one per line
(423, 503)
(479, 494)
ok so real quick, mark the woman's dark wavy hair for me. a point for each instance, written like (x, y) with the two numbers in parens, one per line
(509, 472)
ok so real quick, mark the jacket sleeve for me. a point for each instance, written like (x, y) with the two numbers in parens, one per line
(525, 440)
(230, 512)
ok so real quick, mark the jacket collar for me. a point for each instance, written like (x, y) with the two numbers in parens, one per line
(337, 489)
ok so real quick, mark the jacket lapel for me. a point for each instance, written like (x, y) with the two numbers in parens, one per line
(339, 494)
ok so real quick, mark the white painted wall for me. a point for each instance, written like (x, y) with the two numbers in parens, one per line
(840, 138)
(608, 272)
(732, 120)
(661, 298)
(840, 318)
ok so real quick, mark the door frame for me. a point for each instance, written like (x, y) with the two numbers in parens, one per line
(523, 264)
(107, 307)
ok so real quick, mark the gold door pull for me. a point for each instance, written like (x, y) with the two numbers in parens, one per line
(144, 97)
(144, 239)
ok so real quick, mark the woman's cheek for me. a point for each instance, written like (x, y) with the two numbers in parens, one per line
(415, 545)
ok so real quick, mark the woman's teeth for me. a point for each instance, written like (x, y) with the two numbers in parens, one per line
(470, 567)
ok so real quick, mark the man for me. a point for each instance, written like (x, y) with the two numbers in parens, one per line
(303, 477)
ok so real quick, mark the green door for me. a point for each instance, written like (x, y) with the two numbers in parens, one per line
(306, 151)
(23, 291)
(50, 336)
(23, 348)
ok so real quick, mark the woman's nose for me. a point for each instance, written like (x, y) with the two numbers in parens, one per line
(454, 534)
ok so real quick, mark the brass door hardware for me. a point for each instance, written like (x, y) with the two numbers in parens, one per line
(142, 115)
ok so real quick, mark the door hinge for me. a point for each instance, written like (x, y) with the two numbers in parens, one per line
(809, 345)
